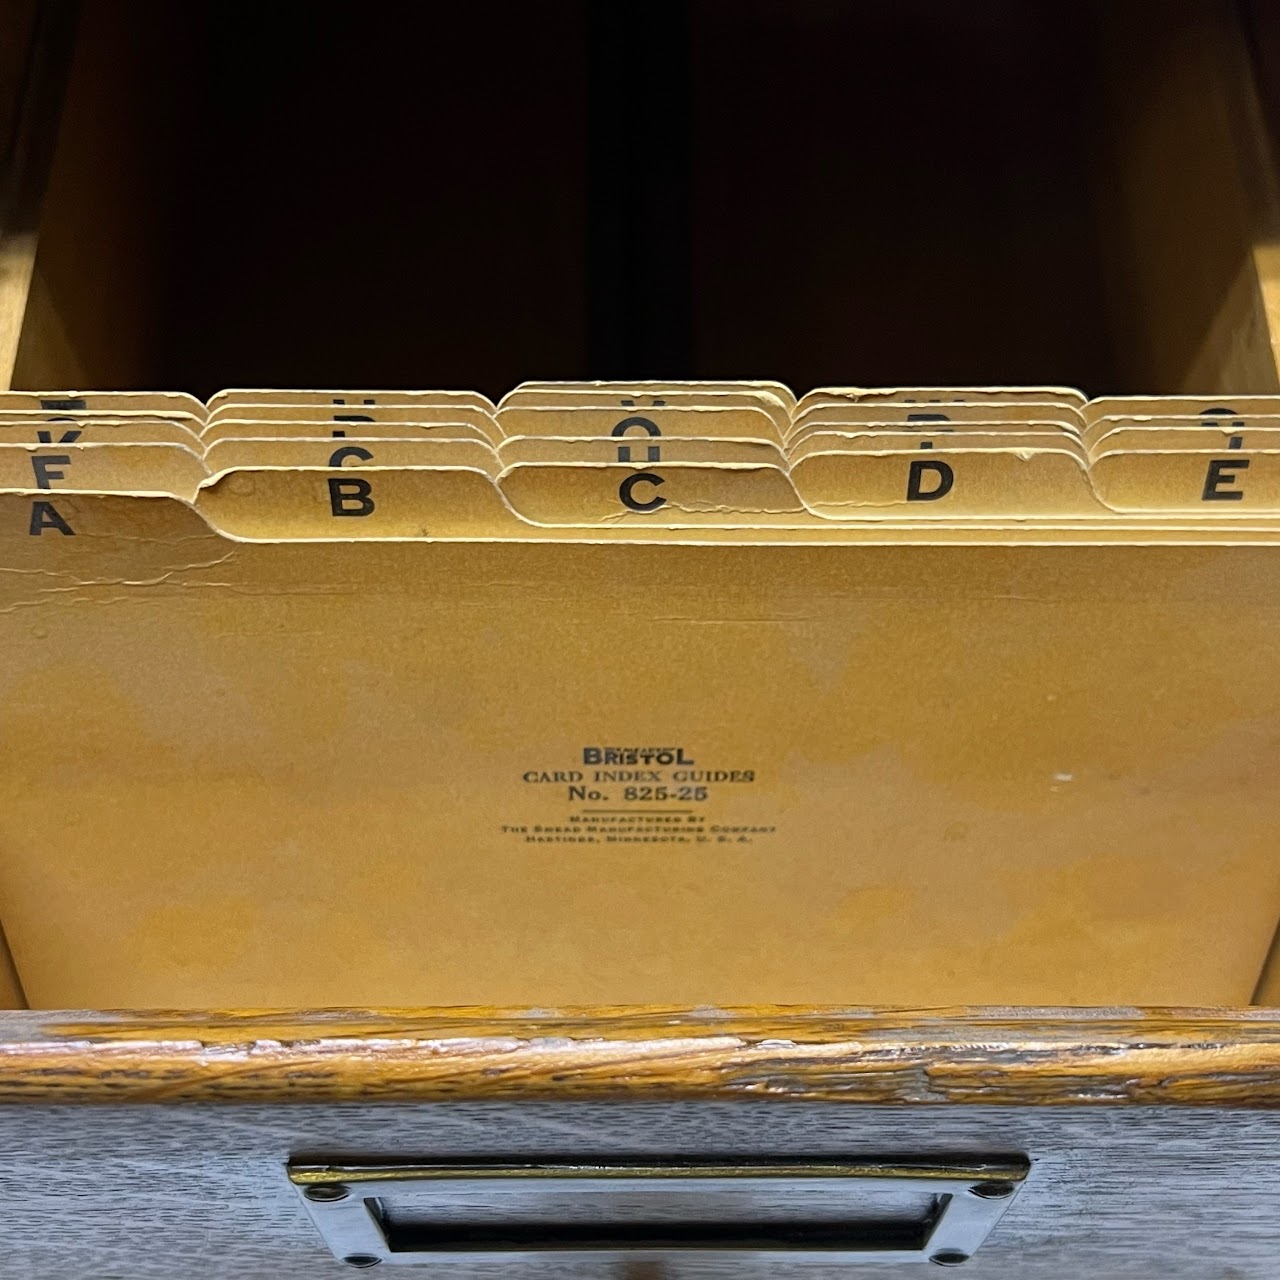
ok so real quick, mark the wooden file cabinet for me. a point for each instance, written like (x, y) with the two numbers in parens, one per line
(159, 1145)
(205, 195)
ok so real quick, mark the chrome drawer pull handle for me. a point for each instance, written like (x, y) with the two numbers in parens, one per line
(855, 1212)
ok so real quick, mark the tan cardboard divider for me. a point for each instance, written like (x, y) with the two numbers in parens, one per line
(638, 425)
(1214, 483)
(479, 422)
(840, 774)
(629, 405)
(599, 450)
(1196, 433)
(346, 503)
(36, 429)
(165, 404)
(102, 468)
(352, 451)
(910, 434)
(924, 417)
(669, 494)
(137, 538)
(865, 478)
(1180, 407)
(778, 391)
(1228, 424)
(1063, 396)
(886, 439)
(65, 421)
(353, 402)
(318, 429)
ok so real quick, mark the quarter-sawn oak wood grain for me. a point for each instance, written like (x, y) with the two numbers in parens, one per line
(1007, 1057)
(1153, 1136)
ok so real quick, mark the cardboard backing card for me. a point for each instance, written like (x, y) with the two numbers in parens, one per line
(638, 425)
(320, 429)
(669, 493)
(105, 468)
(865, 477)
(358, 452)
(520, 773)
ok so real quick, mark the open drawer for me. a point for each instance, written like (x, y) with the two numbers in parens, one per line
(997, 772)
(657, 1144)
(262, 772)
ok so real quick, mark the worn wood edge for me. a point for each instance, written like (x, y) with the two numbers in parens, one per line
(1012, 1057)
